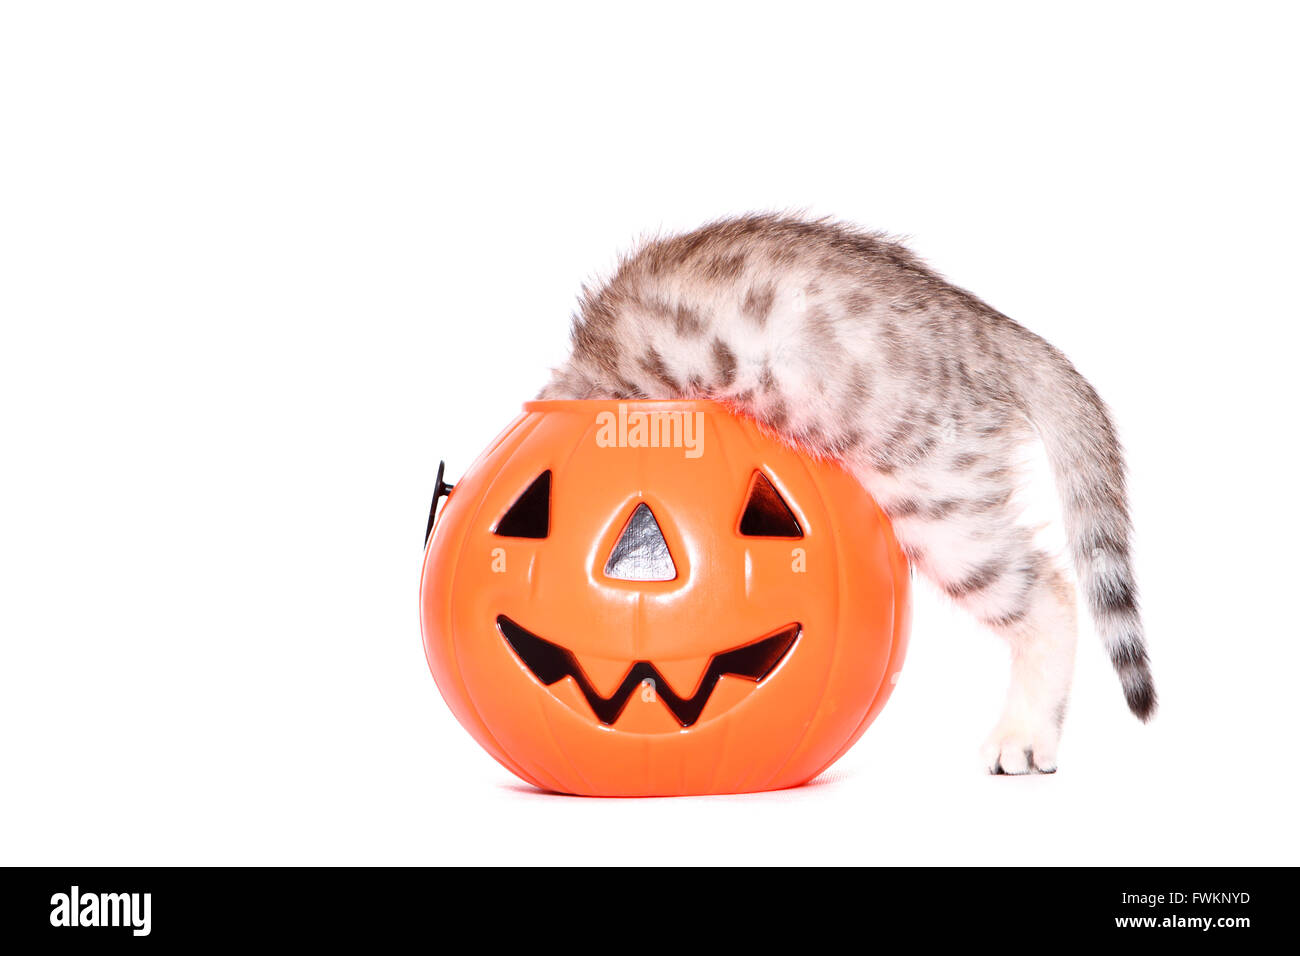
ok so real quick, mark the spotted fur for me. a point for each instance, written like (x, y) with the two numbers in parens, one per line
(849, 346)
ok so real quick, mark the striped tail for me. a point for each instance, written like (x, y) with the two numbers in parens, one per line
(1088, 462)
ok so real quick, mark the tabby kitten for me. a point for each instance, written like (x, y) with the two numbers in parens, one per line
(848, 346)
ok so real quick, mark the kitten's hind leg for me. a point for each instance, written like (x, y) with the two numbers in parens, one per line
(1042, 665)
(977, 554)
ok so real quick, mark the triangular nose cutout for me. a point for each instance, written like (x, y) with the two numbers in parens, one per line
(641, 553)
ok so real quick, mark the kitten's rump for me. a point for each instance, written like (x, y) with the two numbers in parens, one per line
(849, 346)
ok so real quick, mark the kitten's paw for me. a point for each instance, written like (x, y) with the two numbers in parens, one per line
(1016, 750)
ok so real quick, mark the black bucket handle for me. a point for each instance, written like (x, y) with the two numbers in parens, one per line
(440, 490)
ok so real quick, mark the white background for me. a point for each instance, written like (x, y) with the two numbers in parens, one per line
(263, 264)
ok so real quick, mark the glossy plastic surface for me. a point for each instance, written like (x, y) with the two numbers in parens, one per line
(774, 714)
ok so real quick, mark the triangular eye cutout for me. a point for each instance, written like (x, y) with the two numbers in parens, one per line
(766, 514)
(530, 515)
(641, 553)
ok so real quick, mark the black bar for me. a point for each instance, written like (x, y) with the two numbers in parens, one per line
(870, 906)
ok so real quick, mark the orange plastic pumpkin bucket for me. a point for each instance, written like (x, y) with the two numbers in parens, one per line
(657, 598)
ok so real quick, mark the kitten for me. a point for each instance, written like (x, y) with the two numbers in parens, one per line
(850, 347)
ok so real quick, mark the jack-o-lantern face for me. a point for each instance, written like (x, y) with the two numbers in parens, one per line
(656, 598)
(640, 553)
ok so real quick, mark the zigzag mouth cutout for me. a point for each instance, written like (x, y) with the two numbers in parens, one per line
(551, 663)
